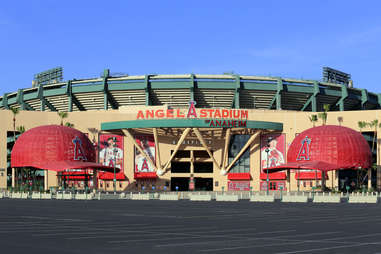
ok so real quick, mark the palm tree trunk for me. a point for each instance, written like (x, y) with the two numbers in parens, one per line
(370, 170)
(14, 129)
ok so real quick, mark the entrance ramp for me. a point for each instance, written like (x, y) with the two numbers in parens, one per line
(326, 198)
(64, 196)
(173, 197)
(19, 195)
(262, 198)
(46, 196)
(363, 199)
(200, 197)
(40, 195)
(297, 198)
(140, 196)
(227, 197)
(84, 196)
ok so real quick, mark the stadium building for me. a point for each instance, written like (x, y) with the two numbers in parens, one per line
(188, 132)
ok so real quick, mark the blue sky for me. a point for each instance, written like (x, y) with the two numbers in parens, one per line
(279, 38)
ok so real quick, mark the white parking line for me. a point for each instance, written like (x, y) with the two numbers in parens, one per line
(290, 242)
(167, 239)
(328, 248)
(238, 240)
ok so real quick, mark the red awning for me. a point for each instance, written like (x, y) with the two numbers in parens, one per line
(239, 176)
(64, 165)
(309, 175)
(274, 176)
(318, 165)
(110, 176)
(75, 175)
(144, 175)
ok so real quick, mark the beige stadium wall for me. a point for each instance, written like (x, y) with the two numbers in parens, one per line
(293, 122)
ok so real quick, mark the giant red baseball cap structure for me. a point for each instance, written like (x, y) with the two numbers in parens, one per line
(55, 147)
(327, 147)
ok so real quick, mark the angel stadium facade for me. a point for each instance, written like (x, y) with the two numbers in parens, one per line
(185, 132)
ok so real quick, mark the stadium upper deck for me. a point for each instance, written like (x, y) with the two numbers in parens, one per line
(208, 91)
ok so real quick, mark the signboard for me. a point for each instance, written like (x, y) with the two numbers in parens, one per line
(111, 150)
(48, 77)
(238, 185)
(334, 76)
(216, 117)
(147, 143)
(275, 155)
(273, 185)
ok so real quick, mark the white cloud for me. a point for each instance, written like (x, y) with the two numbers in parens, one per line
(366, 36)
(278, 52)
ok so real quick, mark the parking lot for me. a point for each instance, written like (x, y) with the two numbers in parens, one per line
(127, 226)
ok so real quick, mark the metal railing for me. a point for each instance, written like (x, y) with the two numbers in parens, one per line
(316, 197)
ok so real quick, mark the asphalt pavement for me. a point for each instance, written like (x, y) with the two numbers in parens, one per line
(127, 226)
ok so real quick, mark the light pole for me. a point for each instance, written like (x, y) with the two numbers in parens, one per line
(267, 150)
(298, 181)
(267, 171)
(316, 181)
(115, 152)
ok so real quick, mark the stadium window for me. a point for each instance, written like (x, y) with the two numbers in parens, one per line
(180, 167)
(203, 167)
(201, 154)
(243, 163)
(182, 154)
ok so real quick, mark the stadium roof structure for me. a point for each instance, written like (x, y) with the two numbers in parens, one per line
(327, 147)
(56, 148)
(208, 91)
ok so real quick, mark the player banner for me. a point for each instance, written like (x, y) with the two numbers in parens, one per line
(147, 143)
(238, 185)
(111, 150)
(275, 156)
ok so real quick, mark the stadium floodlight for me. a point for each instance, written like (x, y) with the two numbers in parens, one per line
(51, 76)
(334, 76)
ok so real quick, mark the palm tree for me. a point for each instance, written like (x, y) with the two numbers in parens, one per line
(62, 115)
(340, 120)
(15, 111)
(93, 131)
(324, 115)
(71, 125)
(375, 125)
(362, 124)
(21, 129)
(313, 119)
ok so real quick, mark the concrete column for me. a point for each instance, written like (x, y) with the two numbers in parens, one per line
(192, 162)
(369, 178)
(13, 177)
(46, 180)
(333, 176)
(288, 184)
